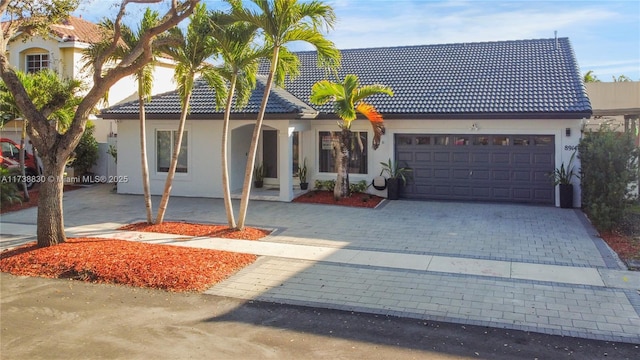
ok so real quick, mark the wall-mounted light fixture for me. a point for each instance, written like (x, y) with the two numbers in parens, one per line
(567, 131)
(474, 127)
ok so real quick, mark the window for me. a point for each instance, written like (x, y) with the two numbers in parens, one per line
(295, 138)
(165, 140)
(359, 146)
(37, 62)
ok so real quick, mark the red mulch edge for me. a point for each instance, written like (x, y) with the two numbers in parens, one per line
(191, 229)
(625, 246)
(33, 200)
(167, 267)
(326, 197)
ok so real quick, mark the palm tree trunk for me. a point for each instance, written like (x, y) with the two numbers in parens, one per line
(50, 215)
(174, 162)
(341, 188)
(144, 164)
(253, 149)
(228, 206)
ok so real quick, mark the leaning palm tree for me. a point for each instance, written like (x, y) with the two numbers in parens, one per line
(144, 78)
(281, 22)
(241, 59)
(191, 54)
(348, 99)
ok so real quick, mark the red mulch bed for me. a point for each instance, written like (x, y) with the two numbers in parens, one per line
(625, 246)
(167, 267)
(33, 200)
(191, 229)
(326, 197)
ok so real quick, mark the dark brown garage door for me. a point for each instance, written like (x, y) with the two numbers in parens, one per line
(510, 168)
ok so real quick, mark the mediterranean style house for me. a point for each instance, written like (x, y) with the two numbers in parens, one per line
(475, 121)
(62, 51)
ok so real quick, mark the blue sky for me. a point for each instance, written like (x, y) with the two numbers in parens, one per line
(605, 34)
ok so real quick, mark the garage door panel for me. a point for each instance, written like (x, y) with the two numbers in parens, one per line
(485, 168)
(540, 176)
(480, 192)
(442, 190)
(521, 176)
(405, 156)
(423, 156)
(523, 194)
(461, 157)
(499, 158)
(421, 173)
(441, 156)
(460, 173)
(500, 174)
(480, 158)
(501, 193)
(441, 174)
(481, 174)
(543, 159)
(521, 158)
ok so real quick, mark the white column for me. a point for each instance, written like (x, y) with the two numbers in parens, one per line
(285, 159)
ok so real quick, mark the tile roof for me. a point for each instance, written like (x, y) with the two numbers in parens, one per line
(77, 29)
(202, 104)
(73, 29)
(505, 79)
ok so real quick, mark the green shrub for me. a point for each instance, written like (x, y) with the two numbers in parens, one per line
(9, 192)
(359, 187)
(325, 184)
(86, 153)
(608, 165)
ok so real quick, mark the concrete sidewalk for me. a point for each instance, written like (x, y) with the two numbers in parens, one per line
(571, 287)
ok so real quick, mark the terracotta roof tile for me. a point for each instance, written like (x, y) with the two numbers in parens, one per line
(77, 29)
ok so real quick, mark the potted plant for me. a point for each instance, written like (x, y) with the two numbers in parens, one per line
(258, 175)
(562, 177)
(302, 175)
(395, 174)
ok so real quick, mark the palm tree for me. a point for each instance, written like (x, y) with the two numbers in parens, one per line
(191, 54)
(241, 59)
(590, 77)
(144, 77)
(281, 22)
(347, 97)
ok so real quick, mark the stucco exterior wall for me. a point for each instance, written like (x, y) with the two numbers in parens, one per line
(204, 177)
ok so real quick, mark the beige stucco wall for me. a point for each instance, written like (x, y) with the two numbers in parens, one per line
(614, 98)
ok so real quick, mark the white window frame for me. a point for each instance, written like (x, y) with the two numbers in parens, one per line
(186, 137)
(39, 62)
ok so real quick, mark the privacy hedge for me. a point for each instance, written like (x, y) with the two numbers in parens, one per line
(608, 167)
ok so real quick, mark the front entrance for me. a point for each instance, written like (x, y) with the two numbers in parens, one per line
(512, 168)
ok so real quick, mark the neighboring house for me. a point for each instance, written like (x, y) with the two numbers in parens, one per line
(62, 51)
(475, 121)
(615, 102)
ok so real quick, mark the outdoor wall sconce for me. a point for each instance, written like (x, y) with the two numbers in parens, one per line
(567, 131)
(474, 127)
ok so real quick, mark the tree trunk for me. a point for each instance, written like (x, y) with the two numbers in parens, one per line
(228, 206)
(341, 188)
(50, 215)
(253, 149)
(162, 208)
(144, 164)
